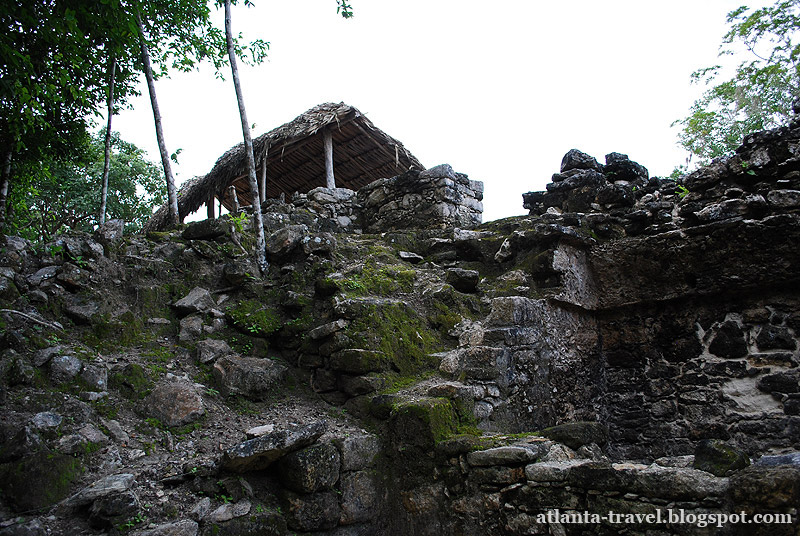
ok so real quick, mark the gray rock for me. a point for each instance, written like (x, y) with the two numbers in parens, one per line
(113, 510)
(229, 511)
(576, 434)
(408, 256)
(31, 528)
(101, 488)
(174, 403)
(93, 434)
(283, 241)
(41, 357)
(82, 312)
(42, 275)
(508, 455)
(22, 442)
(360, 497)
(357, 452)
(258, 431)
(95, 376)
(311, 469)
(463, 280)
(200, 509)
(45, 420)
(252, 377)
(191, 328)
(72, 444)
(115, 429)
(784, 198)
(261, 452)
(206, 229)
(620, 167)
(110, 231)
(198, 300)
(442, 171)
(792, 458)
(64, 368)
(185, 527)
(320, 244)
(209, 350)
(325, 330)
(312, 512)
(575, 159)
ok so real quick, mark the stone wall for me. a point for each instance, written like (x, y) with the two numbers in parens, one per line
(430, 199)
(535, 485)
(437, 198)
(694, 290)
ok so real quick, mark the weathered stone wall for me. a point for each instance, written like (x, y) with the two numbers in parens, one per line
(430, 199)
(695, 297)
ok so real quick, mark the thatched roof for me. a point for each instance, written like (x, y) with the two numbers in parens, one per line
(362, 153)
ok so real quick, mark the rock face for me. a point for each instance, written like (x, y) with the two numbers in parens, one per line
(247, 376)
(174, 403)
(261, 451)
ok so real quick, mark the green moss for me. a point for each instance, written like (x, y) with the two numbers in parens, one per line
(396, 331)
(377, 279)
(132, 382)
(110, 334)
(444, 318)
(424, 421)
(254, 318)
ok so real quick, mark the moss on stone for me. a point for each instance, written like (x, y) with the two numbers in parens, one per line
(132, 382)
(423, 422)
(254, 318)
(399, 333)
(39, 480)
(376, 279)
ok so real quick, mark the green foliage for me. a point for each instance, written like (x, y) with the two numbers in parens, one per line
(64, 195)
(759, 95)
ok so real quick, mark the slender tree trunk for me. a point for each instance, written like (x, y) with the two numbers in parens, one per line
(258, 223)
(172, 196)
(107, 161)
(4, 181)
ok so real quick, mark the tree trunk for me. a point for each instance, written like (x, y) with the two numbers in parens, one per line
(107, 158)
(6, 178)
(258, 223)
(172, 196)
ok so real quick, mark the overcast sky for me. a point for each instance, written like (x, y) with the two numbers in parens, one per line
(499, 89)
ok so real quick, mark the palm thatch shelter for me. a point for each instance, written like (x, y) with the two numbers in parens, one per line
(332, 145)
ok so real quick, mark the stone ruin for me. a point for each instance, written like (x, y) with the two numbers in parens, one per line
(437, 198)
(629, 346)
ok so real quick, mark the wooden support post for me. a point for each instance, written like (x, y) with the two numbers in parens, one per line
(262, 186)
(234, 199)
(210, 207)
(328, 141)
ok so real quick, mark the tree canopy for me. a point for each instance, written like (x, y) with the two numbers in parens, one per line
(64, 195)
(759, 95)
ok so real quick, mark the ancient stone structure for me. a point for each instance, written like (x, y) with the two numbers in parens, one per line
(630, 347)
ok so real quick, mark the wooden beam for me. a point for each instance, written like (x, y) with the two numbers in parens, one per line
(210, 206)
(383, 149)
(327, 139)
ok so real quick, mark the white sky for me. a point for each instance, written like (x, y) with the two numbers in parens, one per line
(499, 89)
